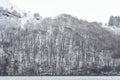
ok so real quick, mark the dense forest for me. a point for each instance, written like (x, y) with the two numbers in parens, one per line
(64, 45)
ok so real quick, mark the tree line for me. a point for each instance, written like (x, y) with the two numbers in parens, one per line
(64, 45)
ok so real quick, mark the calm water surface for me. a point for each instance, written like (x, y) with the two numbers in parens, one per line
(61, 78)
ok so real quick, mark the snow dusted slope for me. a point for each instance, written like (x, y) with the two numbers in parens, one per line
(11, 9)
(113, 29)
(5, 4)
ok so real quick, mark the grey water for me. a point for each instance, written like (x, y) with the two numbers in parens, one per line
(60, 78)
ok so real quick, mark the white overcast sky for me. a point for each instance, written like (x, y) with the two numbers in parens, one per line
(90, 10)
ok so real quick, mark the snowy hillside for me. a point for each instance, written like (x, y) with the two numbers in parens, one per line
(113, 25)
(113, 29)
(31, 45)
